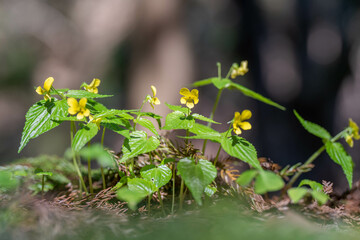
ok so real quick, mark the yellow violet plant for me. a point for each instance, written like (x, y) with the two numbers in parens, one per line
(148, 161)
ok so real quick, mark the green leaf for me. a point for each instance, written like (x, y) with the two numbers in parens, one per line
(223, 83)
(239, 148)
(147, 124)
(313, 128)
(313, 185)
(84, 94)
(178, 120)
(98, 153)
(202, 118)
(38, 119)
(118, 129)
(95, 107)
(141, 186)
(184, 110)
(132, 198)
(158, 175)
(338, 154)
(267, 181)
(61, 118)
(40, 172)
(210, 191)
(137, 144)
(296, 194)
(320, 197)
(252, 94)
(202, 82)
(63, 90)
(84, 135)
(196, 176)
(113, 112)
(246, 177)
(205, 132)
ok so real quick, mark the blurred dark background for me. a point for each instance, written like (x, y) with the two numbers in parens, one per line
(302, 54)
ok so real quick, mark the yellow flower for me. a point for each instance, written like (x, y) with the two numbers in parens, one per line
(93, 86)
(243, 68)
(349, 140)
(46, 90)
(354, 133)
(153, 100)
(189, 98)
(239, 71)
(239, 121)
(355, 129)
(97, 121)
(78, 108)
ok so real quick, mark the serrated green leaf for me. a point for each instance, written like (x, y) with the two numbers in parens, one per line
(137, 144)
(312, 184)
(205, 132)
(184, 110)
(147, 124)
(338, 154)
(246, 177)
(296, 194)
(254, 95)
(313, 128)
(239, 148)
(141, 186)
(38, 119)
(196, 176)
(98, 153)
(320, 197)
(132, 198)
(267, 181)
(210, 191)
(223, 83)
(84, 94)
(158, 175)
(112, 113)
(177, 120)
(75, 119)
(83, 136)
(202, 118)
(202, 82)
(95, 107)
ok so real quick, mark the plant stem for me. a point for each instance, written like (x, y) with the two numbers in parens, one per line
(42, 185)
(138, 116)
(82, 183)
(101, 168)
(181, 194)
(312, 158)
(89, 173)
(173, 189)
(218, 152)
(161, 201)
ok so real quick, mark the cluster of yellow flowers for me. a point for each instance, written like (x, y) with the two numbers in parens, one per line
(240, 71)
(189, 98)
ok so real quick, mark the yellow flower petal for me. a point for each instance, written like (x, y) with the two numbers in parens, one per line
(190, 104)
(184, 91)
(183, 100)
(80, 116)
(355, 129)
(86, 112)
(233, 73)
(237, 130)
(48, 83)
(237, 116)
(349, 140)
(73, 110)
(156, 101)
(39, 90)
(95, 83)
(72, 102)
(245, 125)
(47, 97)
(153, 89)
(82, 102)
(243, 68)
(195, 93)
(245, 115)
